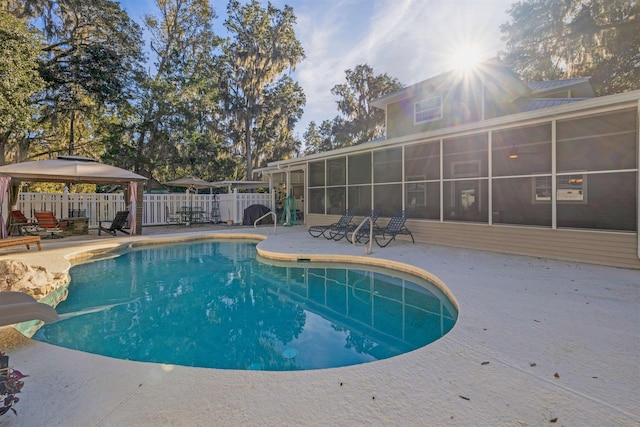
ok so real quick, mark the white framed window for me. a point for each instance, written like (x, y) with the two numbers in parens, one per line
(428, 110)
(416, 191)
(570, 189)
(542, 189)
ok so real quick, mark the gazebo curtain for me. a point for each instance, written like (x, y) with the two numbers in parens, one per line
(4, 184)
(133, 196)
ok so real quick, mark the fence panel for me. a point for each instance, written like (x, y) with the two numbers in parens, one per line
(244, 200)
(103, 206)
(96, 207)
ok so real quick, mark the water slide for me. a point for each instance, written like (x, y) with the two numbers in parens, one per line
(16, 307)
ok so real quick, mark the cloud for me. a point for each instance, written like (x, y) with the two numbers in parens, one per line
(411, 40)
(327, 33)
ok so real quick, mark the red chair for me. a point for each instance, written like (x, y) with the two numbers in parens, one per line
(17, 221)
(48, 220)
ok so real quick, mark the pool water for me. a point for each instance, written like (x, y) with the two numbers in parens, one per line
(215, 304)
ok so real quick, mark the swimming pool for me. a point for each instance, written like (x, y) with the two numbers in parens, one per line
(216, 304)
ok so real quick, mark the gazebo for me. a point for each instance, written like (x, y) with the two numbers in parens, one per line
(74, 169)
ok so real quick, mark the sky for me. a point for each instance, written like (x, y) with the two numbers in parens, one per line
(411, 40)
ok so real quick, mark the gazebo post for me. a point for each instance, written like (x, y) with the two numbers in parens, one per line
(139, 206)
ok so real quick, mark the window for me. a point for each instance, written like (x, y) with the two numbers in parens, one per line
(542, 190)
(571, 188)
(416, 191)
(428, 110)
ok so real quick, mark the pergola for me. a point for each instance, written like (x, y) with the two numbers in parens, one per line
(74, 169)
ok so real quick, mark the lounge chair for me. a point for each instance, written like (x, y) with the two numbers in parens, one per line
(345, 222)
(17, 221)
(396, 225)
(363, 232)
(47, 225)
(49, 221)
(117, 224)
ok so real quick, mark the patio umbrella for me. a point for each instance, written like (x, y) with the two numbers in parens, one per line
(190, 183)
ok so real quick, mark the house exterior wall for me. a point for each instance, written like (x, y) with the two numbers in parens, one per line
(571, 194)
(490, 92)
(593, 247)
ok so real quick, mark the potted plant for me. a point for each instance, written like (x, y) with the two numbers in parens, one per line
(10, 384)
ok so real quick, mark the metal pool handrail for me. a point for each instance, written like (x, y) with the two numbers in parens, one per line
(367, 250)
(275, 222)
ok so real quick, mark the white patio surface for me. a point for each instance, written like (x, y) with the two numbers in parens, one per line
(562, 342)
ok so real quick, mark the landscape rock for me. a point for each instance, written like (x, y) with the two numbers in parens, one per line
(31, 279)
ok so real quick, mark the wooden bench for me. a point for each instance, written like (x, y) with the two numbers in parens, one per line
(21, 240)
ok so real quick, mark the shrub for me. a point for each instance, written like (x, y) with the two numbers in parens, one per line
(10, 384)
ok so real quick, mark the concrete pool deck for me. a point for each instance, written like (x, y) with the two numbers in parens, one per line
(562, 342)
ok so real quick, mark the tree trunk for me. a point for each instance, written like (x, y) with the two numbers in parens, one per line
(4, 138)
(71, 132)
(247, 143)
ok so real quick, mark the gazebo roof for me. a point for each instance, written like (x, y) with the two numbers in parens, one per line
(69, 169)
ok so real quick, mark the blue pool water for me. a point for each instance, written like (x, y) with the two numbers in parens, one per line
(215, 304)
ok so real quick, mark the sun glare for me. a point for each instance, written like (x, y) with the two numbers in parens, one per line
(466, 57)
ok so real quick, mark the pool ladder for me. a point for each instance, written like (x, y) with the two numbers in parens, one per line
(369, 245)
(275, 222)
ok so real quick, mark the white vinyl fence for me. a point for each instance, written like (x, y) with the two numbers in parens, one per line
(103, 207)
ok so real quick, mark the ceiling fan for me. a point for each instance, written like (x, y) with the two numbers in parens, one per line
(514, 153)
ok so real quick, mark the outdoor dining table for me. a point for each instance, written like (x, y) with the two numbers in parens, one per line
(190, 214)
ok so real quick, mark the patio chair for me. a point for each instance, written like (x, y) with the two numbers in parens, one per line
(345, 221)
(172, 218)
(17, 222)
(47, 226)
(385, 235)
(363, 233)
(48, 220)
(117, 224)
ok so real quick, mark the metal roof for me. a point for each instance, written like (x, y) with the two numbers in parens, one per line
(554, 84)
(580, 87)
(539, 103)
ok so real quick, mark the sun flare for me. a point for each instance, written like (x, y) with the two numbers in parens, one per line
(466, 57)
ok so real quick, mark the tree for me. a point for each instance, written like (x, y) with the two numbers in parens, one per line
(363, 122)
(176, 115)
(330, 135)
(19, 79)
(313, 141)
(553, 39)
(262, 45)
(90, 52)
(273, 134)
